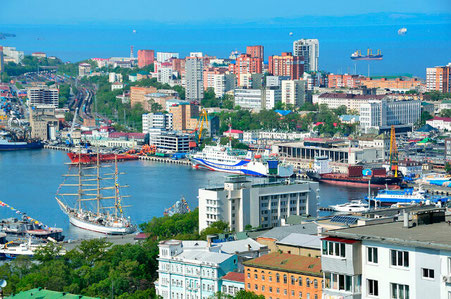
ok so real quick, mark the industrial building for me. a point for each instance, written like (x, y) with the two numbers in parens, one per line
(43, 95)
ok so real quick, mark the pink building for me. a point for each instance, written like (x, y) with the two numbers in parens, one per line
(145, 57)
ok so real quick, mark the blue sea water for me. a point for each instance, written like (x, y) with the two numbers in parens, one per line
(423, 46)
(30, 179)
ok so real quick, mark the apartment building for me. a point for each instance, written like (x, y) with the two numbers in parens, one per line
(249, 98)
(275, 81)
(402, 83)
(282, 275)
(256, 52)
(439, 78)
(84, 69)
(11, 54)
(309, 50)
(293, 92)
(344, 81)
(377, 115)
(286, 65)
(156, 120)
(245, 65)
(184, 116)
(166, 56)
(272, 97)
(401, 259)
(194, 78)
(137, 94)
(145, 57)
(43, 95)
(223, 83)
(240, 202)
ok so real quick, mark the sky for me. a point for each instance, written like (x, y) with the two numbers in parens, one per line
(181, 11)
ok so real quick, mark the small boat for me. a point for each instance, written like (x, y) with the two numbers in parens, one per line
(16, 248)
(352, 206)
(14, 226)
(7, 143)
(388, 197)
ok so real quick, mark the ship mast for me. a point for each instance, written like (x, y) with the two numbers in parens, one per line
(98, 182)
(80, 191)
(116, 189)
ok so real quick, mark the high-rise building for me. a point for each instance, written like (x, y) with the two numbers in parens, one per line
(166, 56)
(249, 98)
(194, 79)
(245, 65)
(84, 69)
(184, 116)
(273, 95)
(255, 52)
(156, 121)
(223, 83)
(137, 94)
(439, 78)
(293, 92)
(309, 49)
(145, 57)
(43, 96)
(286, 65)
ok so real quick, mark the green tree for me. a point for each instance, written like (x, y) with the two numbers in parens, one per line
(445, 113)
(425, 115)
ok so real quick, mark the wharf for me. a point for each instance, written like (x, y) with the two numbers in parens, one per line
(58, 148)
(434, 189)
(115, 240)
(165, 160)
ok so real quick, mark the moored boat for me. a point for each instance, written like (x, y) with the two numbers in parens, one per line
(352, 206)
(91, 158)
(229, 160)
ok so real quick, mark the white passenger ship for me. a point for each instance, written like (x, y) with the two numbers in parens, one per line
(226, 159)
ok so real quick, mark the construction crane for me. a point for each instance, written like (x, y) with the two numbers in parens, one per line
(203, 120)
(393, 152)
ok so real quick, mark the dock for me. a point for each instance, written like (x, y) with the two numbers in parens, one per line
(57, 148)
(165, 160)
(115, 240)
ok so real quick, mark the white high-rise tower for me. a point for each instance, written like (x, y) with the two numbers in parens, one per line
(309, 49)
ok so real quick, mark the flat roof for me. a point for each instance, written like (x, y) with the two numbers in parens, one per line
(287, 262)
(434, 236)
(301, 240)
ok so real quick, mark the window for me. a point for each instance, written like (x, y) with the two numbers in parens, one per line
(307, 282)
(315, 283)
(248, 275)
(263, 288)
(263, 277)
(292, 293)
(256, 287)
(277, 277)
(372, 255)
(285, 291)
(248, 286)
(293, 280)
(270, 278)
(373, 287)
(255, 276)
(270, 289)
(399, 258)
(285, 278)
(300, 294)
(277, 290)
(399, 291)
(300, 281)
(428, 273)
(334, 248)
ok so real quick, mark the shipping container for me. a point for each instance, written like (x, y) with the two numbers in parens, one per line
(355, 171)
(379, 171)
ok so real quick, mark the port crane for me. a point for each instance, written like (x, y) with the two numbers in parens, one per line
(393, 152)
(203, 120)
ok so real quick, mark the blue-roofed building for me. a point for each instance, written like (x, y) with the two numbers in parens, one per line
(283, 112)
(349, 118)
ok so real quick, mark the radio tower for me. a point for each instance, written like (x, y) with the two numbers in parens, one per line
(131, 52)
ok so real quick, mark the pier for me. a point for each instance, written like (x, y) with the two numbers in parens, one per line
(165, 160)
(57, 148)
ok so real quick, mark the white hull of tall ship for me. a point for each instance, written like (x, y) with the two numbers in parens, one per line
(108, 230)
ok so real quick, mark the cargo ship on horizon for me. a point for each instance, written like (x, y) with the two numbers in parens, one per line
(354, 178)
(357, 55)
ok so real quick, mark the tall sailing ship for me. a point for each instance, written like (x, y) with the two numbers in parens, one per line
(95, 202)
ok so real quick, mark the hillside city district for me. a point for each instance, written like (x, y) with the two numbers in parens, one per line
(248, 115)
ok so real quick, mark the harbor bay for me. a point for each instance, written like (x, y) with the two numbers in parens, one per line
(31, 178)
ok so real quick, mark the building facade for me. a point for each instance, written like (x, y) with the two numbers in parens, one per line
(194, 78)
(286, 65)
(389, 260)
(272, 97)
(156, 121)
(171, 142)
(84, 69)
(282, 275)
(43, 96)
(249, 98)
(166, 56)
(145, 57)
(256, 52)
(309, 49)
(241, 203)
(439, 78)
(245, 65)
(191, 269)
(184, 116)
(138, 94)
(293, 92)
(351, 101)
(385, 113)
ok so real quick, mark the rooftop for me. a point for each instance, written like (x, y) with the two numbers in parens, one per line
(245, 245)
(40, 293)
(287, 262)
(447, 119)
(301, 240)
(280, 232)
(434, 236)
(352, 96)
(234, 276)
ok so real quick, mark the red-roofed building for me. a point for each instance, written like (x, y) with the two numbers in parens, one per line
(232, 283)
(237, 134)
(441, 123)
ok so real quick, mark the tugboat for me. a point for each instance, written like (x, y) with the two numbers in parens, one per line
(93, 209)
